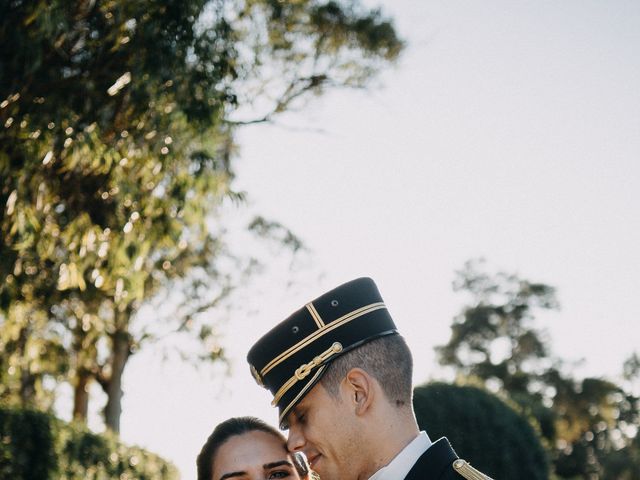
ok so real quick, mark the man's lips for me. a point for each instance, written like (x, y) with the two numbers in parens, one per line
(313, 459)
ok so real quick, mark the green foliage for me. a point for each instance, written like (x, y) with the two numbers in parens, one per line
(486, 432)
(589, 425)
(499, 317)
(117, 123)
(27, 445)
(37, 446)
(109, 167)
(288, 49)
(30, 352)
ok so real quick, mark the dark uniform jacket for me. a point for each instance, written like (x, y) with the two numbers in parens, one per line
(440, 462)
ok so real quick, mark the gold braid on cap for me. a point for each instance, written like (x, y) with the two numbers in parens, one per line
(305, 369)
(328, 327)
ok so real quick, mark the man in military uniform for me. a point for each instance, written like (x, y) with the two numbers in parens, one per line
(341, 377)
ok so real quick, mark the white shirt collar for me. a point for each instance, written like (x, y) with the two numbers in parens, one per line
(400, 466)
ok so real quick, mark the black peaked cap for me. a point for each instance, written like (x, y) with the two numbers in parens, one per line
(291, 358)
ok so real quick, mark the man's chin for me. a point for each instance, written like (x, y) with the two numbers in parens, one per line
(317, 465)
(327, 470)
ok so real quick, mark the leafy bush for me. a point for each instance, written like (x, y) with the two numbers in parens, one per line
(27, 445)
(37, 446)
(482, 429)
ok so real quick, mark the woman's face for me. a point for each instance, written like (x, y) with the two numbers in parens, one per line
(253, 455)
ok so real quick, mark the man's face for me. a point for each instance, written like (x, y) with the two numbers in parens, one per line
(324, 428)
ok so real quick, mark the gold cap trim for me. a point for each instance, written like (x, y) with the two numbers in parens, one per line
(305, 369)
(319, 333)
(315, 315)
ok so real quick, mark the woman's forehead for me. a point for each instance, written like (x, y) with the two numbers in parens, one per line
(251, 449)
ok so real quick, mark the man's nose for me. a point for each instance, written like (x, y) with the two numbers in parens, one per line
(295, 440)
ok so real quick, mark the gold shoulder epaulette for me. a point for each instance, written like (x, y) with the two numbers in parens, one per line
(468, 472)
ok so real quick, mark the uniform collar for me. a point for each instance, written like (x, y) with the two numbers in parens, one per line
(401, 464)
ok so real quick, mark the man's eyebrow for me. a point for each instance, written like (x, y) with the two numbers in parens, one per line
(267, 466)
(298, 410)
(232, 474)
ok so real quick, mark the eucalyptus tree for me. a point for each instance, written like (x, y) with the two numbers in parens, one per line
(117, 123)
(589, 424)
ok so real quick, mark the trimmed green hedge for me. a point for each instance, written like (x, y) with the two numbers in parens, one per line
(482, 429)
(38, 446)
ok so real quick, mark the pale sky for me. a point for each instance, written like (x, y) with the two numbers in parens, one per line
(509, 130)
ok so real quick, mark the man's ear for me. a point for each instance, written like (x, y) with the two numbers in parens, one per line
(360, 389)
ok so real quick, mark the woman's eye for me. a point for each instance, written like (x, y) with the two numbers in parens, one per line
(279, 474)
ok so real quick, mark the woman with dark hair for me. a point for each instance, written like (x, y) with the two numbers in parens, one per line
(246, 448)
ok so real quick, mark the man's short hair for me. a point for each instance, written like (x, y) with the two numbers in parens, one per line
(387, 359)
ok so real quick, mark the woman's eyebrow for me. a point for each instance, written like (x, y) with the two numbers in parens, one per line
(267, 466)
(232, 474)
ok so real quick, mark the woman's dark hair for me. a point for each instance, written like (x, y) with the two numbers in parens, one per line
(222, 433)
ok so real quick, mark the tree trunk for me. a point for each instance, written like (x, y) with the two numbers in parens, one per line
(27, 387)
(81, 397)
(27, 379)
(121, 349)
